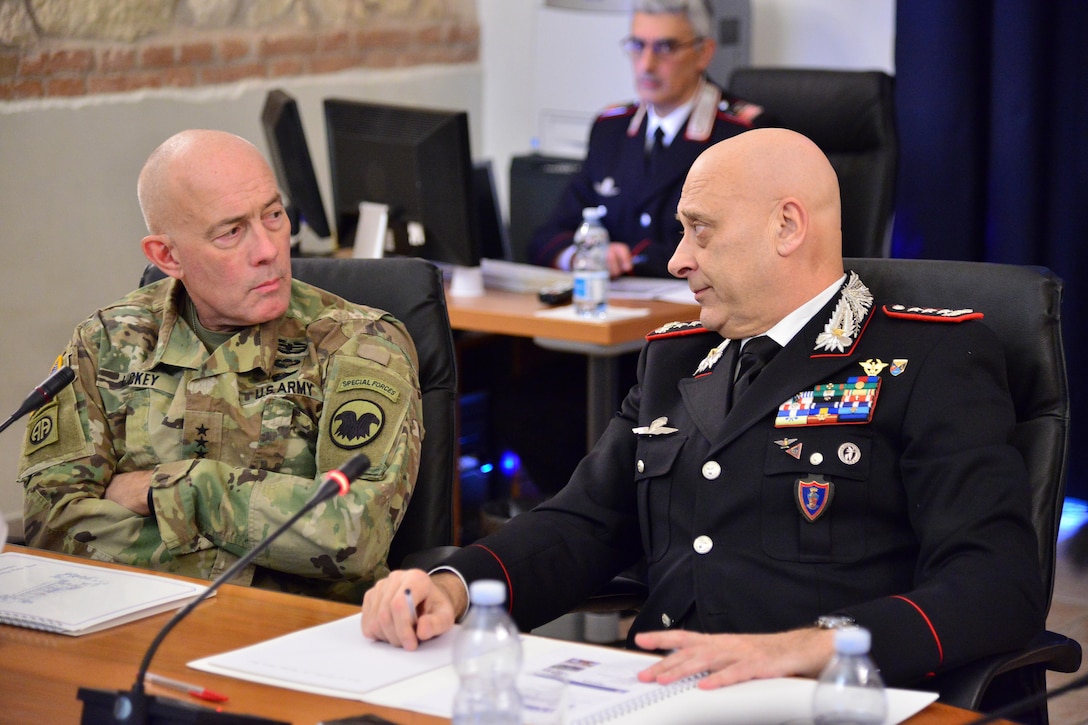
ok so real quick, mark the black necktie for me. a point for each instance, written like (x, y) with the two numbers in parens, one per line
(756, 353)
(653, 158)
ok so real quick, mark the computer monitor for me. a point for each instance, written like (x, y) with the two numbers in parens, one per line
(293, 166)
(494, 238)
(415, 161)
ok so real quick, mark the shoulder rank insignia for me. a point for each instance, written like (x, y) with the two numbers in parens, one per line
(931, 314)
(677, 329)
(831, 404)
(739, 110)
(617, 109)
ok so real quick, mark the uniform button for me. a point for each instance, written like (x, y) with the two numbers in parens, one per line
(666, 620)
(645, 219)
(703, 545)
(816, 458)
(641, 466)
(711, 470)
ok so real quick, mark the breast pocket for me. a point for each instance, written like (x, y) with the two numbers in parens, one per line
(655, 465)
(815, 503)
(139, 411)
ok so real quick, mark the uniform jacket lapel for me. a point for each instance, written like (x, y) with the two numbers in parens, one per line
(797, 367)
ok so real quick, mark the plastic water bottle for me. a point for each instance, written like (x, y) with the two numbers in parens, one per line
(590, 264)
(850, 690)
(487, 657)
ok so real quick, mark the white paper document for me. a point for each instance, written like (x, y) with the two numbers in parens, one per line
(73, 598)
(335, 659)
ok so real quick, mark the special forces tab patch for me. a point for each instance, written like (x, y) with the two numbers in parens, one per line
(356, 423)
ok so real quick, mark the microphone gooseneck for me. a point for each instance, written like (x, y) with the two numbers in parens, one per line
(42, 394)
(131, 706)
(1031, 701)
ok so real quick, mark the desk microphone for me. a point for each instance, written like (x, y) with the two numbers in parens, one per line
(136, 707)
(39, 396)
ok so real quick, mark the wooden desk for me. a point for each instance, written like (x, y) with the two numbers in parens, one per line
(511, 313)
(41, 672)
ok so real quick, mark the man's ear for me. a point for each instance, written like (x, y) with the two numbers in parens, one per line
(792, 226)
(160, 252)
(706, 53)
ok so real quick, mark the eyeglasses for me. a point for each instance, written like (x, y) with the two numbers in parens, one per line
(663, 48)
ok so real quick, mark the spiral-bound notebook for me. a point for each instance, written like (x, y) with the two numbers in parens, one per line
(335, 659)
(74, 598)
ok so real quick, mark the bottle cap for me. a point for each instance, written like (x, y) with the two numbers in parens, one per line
(852, 641)
(487, 592)
(594, 213)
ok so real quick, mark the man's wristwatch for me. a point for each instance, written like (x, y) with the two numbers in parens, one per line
(835, 621)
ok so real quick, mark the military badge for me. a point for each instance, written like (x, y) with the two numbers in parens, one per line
(831, 403)
(356, 423)
(898, 366)
(711, 359)
(606, 187)
(44, 427)
(791, 446)
(813, 497)
(849, 453)
(657, 427)
(845, 323)
(873, 367)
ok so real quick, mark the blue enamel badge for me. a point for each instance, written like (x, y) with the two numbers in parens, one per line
(813, 497)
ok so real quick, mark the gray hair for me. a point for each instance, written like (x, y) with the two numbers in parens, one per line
(696, 11)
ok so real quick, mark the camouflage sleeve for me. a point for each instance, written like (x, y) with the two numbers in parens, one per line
(371, 404)
(68, 458)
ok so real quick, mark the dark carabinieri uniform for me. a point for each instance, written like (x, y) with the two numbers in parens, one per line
(866, 471)
(614, 174)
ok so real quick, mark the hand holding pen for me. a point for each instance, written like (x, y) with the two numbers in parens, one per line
(409, 607)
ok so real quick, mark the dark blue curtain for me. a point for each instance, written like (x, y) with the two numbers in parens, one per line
(992, 106)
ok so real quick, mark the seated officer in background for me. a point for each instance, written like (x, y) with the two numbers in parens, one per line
(865, 473)
(638, 182)
(208, 406)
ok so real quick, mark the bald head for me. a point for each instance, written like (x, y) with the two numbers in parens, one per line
(762, 230)
(769, 165)
(180, 162)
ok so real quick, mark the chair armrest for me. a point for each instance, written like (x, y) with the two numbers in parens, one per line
(427, 559)
(622, 593)
(966, 686)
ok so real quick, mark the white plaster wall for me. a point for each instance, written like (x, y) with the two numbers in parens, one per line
(70, 225)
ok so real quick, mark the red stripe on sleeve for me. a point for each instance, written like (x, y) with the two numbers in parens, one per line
(932, 629)
(505, 573)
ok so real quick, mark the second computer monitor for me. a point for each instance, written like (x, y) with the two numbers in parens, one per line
(415, 161)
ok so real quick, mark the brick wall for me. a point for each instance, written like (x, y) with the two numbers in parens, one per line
(47, 52)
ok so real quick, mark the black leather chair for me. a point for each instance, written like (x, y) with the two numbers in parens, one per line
(1023, 306)
(850, 115)
(411, 290)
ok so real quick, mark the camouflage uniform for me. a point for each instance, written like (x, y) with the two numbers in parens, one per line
(237, 440)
